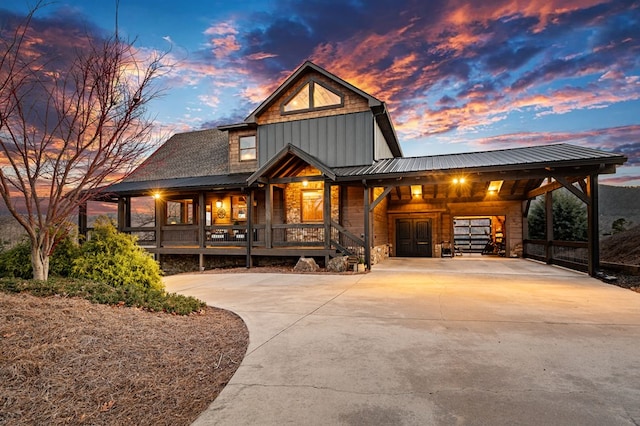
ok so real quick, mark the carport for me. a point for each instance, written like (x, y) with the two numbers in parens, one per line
(412, 202)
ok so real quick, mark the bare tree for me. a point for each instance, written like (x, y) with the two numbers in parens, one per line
(68, 123)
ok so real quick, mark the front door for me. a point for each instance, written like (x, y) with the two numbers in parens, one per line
(413, 237)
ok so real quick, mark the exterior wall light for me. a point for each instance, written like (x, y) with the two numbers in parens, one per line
(494, 186)
(305, 183)
(416, 190)
(219, 204)
(156, 195)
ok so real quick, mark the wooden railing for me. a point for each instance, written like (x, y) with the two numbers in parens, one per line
(570, 254)
(346, 242)
(282, 235)
(297, 235)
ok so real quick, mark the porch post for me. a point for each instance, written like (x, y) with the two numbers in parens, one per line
(159, 220)
(202, 214)
(367, 226)
(593, 225)
(122, 209)
(268, 206)
(326, 214)
(548, 220)
(249, 237)
(82, 220)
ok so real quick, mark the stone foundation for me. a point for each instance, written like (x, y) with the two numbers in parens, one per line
(379, 253)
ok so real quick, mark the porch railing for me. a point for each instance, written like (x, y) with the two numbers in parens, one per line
(345, 241)
(297, 234)
(570, 254)
(282, 235)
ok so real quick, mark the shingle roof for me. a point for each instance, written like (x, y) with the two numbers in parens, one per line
(559, 155)
(238, 180)
(186, 155)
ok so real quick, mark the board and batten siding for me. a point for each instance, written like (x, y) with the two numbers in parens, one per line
(337, 141)
(382, 149)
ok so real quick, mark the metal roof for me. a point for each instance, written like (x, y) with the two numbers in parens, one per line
(238, 180)
(559, 155)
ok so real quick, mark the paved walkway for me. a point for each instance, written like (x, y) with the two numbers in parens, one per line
(464, 341)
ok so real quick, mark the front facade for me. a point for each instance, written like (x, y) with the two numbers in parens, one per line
(317, 171)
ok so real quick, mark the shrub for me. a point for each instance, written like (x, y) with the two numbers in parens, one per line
(114, 258)
(16, 262)
(149, 299)
(64, 254)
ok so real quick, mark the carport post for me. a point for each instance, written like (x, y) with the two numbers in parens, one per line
(367, 225)
(548, 218)
(593, 225)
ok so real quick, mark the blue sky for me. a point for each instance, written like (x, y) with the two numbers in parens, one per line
(456, 75)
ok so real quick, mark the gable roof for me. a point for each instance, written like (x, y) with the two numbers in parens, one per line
(290, 158)
(378, 108)
(306, 68)
(186, 155)
(514, 159)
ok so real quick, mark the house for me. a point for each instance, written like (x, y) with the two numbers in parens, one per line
(317, 170)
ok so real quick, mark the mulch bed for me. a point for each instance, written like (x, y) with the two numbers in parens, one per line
(67, 361)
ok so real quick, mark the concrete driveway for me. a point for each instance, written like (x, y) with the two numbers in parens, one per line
(464, 341)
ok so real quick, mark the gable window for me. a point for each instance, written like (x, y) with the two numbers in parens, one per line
(312, 95)
(248, 150)
(312, 206)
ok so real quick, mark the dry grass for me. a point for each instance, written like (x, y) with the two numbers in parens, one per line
(67, 361)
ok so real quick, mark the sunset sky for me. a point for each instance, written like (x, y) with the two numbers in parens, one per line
(456, 75)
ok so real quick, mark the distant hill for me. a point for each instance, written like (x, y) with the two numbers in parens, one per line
(10, 231)
(623, 247)
(617, 202)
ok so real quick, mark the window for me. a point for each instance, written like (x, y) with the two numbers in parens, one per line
(312, 95)
(312, 206)
(180, 212)
(248, 149)
(238, 208)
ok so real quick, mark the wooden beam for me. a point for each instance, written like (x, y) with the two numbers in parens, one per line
(327, 214)
(548, 204)
(569, 186)
(268, 208)
(294, 179)
(202, 214)
(249, 238)
(82, 220)
(381, 197)
(544, 189)
(367, 226)
(593, 226)
(159, 207)
(122, 211)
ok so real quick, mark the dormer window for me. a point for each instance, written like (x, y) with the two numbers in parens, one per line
(311, 96)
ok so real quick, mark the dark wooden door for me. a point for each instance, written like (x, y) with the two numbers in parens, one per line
(413, 238)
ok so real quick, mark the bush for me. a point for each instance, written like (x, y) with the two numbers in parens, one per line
(16, 261)
(149, 299)
(114, 258)
(110, 269)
